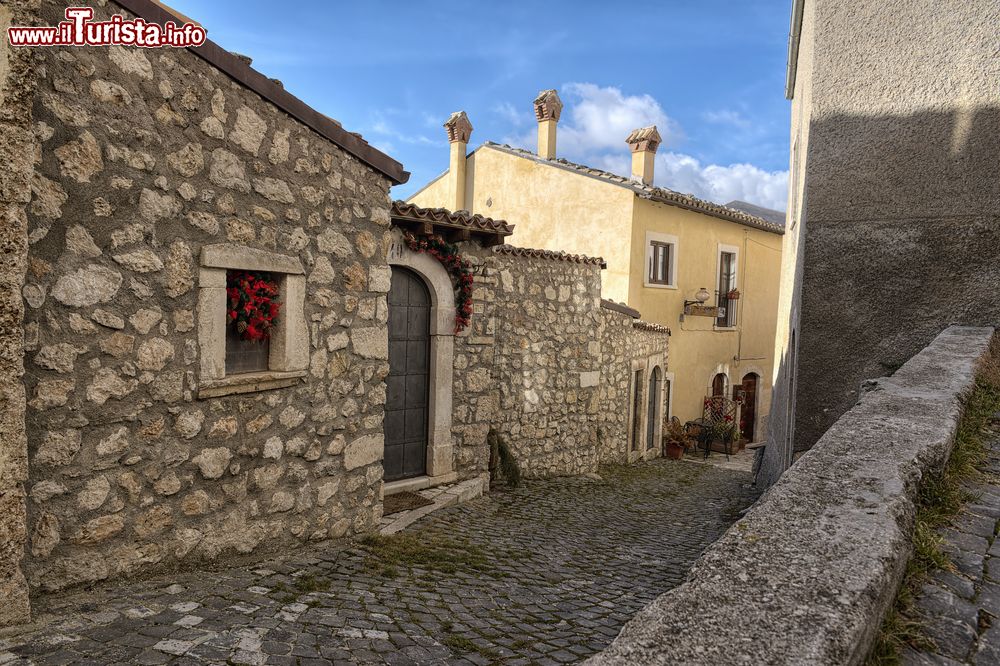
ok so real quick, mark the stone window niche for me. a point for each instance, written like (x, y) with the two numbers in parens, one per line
(225, 370)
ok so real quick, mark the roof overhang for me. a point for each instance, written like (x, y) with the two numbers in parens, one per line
(452, 226)
(794, 37)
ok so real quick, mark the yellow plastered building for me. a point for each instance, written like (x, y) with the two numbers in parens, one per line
(666, 252)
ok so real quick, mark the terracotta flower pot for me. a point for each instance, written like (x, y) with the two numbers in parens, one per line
(673, 450)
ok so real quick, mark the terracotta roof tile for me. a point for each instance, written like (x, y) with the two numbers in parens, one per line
(657, 194)
(461, 218)
(549, 254)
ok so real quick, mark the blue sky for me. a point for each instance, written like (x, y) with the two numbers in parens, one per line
(709, 73)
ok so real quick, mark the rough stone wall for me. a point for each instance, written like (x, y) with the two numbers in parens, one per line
(548, 362)
(17, 147)
(622, 344)
(475, 394)
(546, 365)
(146, 157)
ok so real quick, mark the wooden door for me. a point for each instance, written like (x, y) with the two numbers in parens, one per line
(748, 420)
(408, 385)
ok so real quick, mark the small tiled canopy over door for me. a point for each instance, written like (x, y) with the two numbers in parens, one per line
(408, 380)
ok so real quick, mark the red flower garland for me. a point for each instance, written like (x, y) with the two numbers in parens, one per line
(458, 268)
(253, 305)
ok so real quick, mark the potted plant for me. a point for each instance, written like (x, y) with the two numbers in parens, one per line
(724, 435)
(675, 439)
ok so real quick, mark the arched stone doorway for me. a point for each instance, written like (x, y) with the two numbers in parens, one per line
(407, 396)
(439, 466)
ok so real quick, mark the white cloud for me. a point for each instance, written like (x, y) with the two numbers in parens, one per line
(597, 119)
(722, 184)
(601, 118)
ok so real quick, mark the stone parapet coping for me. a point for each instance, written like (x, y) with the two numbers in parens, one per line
(549, 254)
(620, 307)
(807, 575)
(651, 327)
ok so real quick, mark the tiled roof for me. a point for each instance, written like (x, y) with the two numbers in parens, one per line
(658, 194)
(769, 214)
(549, 254)
(650, 326)
(238, 68)
(443, 216)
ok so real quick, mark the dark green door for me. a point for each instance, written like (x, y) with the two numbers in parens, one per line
(407, 385)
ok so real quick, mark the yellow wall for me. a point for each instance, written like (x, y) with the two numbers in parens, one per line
(697, 349)
(557, 209)
(551, 208)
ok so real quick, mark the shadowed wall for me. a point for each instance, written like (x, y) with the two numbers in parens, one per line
(894, 222)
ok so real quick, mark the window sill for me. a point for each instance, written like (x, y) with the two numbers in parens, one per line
(249, 382)
(651, 285)
(725, 329)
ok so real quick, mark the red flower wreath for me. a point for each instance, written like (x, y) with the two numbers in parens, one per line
(253, 305)
(458, 268)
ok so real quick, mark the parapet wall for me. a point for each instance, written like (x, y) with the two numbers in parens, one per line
(808, 574)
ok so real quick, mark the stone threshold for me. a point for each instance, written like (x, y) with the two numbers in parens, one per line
(443, 496)
(418, 483)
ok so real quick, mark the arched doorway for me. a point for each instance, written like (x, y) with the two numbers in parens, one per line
(718, 403)
(653, 409)
(748, 410)
(719, 385)
(408, 383)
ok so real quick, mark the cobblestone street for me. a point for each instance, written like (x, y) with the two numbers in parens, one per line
(960, 609)
(544, 574)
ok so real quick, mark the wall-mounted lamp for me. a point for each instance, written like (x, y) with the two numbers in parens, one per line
(700, 297)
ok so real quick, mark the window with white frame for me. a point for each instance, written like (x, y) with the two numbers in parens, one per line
(661, 260)
(728, 299)
(230, 363)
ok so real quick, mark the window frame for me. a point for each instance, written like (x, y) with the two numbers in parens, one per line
(653, 237)
(735, 251)
(288, 358)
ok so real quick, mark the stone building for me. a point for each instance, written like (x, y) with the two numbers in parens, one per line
(140, 432)
(893, 231)
(545, 361)
(663, 249)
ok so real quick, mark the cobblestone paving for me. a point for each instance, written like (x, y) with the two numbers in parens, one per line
(546, 574)
(960, 609)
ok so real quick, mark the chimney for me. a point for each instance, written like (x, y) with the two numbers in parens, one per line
(548, 106)
(459, 130)
(643, 142)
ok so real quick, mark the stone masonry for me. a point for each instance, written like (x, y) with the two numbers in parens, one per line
(133, 180)
(17, 146)
(147, 158)
(546, 364)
